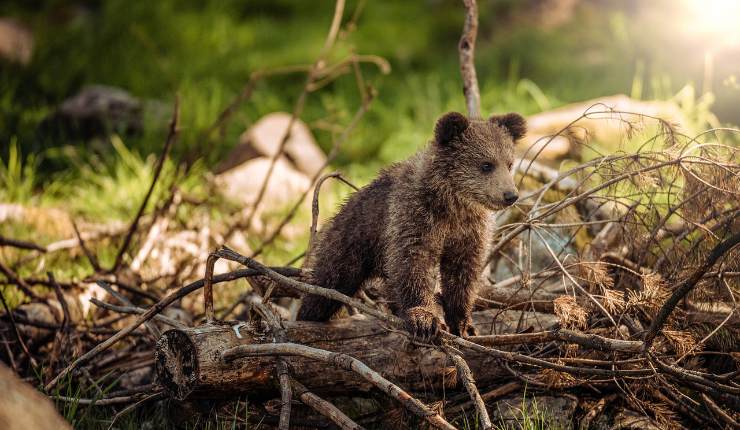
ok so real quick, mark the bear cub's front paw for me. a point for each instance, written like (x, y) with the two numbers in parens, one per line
(422, 323)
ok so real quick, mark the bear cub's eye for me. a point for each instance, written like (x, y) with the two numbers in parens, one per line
(510, 165)
(487, 167)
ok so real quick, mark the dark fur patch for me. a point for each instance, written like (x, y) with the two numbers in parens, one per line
(513, 122)
(449, 127)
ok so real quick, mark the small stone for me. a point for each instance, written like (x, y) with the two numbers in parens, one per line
(264, 138)
(96, 110)
(242, 184)
(16, 41)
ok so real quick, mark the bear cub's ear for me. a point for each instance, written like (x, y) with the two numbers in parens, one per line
(449, 126)
(513, 122)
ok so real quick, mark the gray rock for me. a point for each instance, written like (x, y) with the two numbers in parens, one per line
(96, 110)
(103, 103)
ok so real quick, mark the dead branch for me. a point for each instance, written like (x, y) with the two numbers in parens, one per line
(136, 311)
(171, 138)
(90, 256)
(684, 287)
(315, 208)
(17, 334)
(21, 244)
(466, 49)
(501, 391)
(299, 105)
(330, 157)
(592, 341)
(281, 367)
(323, 407)
(18, 281)
(129, 408)
(464, 373)
(232, 255)
(149, 314)
(346, 362)
(121, 298)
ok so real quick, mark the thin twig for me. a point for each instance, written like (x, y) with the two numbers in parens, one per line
(330, 157)
(16, 332)
(490, 395)
(90, 256)
(134, 310)
(66, 320)
(315, 208)
(21, 244)
(298, 107)
(281, 367)
(464, 373)
(18, 281)
(323, 407)
(171, 138)
(232, 255)
(680, 291)
(129, 408)
(123, 299)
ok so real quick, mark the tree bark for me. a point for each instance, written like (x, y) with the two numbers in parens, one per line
(188, 361)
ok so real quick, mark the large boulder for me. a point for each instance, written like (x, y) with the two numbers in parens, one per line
(264, 138)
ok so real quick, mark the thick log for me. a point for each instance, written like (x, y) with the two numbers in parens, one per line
(188, 361)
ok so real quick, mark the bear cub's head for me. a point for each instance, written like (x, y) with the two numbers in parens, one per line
(476, 156)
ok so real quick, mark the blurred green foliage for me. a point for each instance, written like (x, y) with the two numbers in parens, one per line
(205, 50)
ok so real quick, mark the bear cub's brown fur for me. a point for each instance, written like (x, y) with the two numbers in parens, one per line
(422, 221)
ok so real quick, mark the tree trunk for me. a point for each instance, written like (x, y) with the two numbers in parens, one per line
(188, 361)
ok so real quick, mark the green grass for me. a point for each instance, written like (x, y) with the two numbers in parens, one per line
(530, 416)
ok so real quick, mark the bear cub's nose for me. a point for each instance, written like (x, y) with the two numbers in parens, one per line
(510, 197)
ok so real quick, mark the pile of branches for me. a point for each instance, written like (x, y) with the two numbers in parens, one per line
(612, 281)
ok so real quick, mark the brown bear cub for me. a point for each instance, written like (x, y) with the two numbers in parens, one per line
(423, 221)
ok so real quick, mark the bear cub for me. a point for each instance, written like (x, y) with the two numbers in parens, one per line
(422, 222)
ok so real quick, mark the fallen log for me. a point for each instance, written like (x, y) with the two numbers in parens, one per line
(188, 361)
